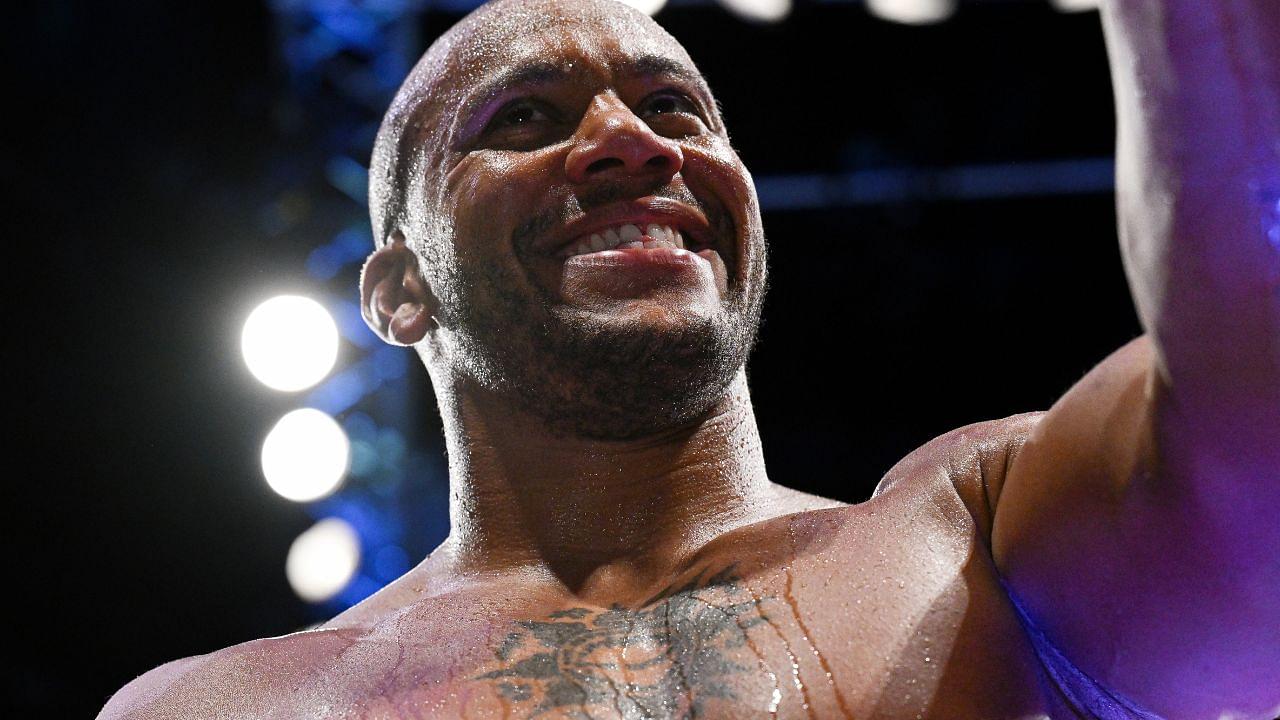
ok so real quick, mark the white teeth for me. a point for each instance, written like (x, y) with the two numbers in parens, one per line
(654, 244)
(629, 236)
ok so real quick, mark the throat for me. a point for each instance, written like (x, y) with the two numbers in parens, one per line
(600, 538)
(599, 515)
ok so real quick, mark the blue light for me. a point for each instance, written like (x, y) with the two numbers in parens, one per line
(351, 26)
(390, 446)
(349, 176)
(390, 562)
(360, 588)
(390, 363)
(351, 325)
(893, 185)
(376, 524)
(345, 59)
(364, 459)
(360, 426)
(341, 391)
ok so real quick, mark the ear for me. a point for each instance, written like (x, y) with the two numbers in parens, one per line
(394, 299)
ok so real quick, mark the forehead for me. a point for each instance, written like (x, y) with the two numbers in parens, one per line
(577, 36)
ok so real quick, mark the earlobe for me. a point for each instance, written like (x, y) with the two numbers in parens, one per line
(395, 302)
(409, 323)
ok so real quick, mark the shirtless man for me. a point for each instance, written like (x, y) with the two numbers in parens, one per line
(618, 550)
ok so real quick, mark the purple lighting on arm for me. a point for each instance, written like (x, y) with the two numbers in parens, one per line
(1267, 195)
(1273, 225)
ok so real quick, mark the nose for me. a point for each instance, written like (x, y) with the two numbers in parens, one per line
(612, 143)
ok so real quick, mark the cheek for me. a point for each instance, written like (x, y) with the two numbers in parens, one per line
(499, 201)
(495, 193)
(478, 182)
(719, 179)
(729, 166)
(718, 170)
(484, 204)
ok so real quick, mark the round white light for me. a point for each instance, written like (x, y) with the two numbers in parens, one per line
(912, 12)
(305, 455)
(323, 559)
(289, 342)
(648, 7)
(1070, 6)
(759, 10)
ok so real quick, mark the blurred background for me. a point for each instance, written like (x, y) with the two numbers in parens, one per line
(200, 463)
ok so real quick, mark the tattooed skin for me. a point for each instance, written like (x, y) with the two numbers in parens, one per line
(660, 661)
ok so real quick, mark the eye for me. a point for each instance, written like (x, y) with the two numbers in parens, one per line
(522, 124)
(667, 102)
(518, 114)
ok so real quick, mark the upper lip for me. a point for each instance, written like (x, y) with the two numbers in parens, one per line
(689, 221)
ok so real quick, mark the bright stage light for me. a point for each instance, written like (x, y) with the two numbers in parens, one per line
(759, 10)
(289, 342)
(323, 559)
(305, 455)
(912, 12)
(1070, 6)
(648, 7)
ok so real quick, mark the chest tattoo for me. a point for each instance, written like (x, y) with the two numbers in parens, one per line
(664, 659)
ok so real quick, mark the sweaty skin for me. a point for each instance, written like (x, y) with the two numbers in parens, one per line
(617, 547)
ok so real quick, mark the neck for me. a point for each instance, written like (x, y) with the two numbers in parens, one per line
(590, 511)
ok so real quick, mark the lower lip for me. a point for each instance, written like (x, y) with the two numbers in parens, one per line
(636, 272)
(640, 258)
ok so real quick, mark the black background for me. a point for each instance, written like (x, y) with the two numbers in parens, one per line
(142, 529)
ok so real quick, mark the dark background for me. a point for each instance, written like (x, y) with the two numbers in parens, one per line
(152, 139)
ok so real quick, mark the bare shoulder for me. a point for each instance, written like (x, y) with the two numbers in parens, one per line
(973, 460)
(946, 488)
(239, 681)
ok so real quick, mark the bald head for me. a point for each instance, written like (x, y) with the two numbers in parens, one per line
(526, 145)
(467, 64)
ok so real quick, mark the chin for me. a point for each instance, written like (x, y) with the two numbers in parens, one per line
(653, 317)
(676, 309)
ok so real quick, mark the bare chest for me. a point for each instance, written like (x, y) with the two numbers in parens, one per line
(787, 625)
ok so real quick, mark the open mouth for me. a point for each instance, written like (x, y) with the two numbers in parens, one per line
(640, 244)
(629, 236)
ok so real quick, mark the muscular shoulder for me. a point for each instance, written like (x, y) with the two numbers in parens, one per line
(973, 460)
(242, 681)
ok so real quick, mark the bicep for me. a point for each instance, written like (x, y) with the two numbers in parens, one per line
(1149, 579)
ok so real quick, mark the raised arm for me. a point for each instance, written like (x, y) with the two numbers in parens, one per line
(1197, 86)
(1138, 526)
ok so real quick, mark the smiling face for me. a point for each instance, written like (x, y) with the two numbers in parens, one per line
(593, 242)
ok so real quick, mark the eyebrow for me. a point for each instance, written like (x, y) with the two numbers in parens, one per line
(542, 72)
(662, 65)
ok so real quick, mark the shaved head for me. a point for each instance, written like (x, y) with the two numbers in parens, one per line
(524, 144)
